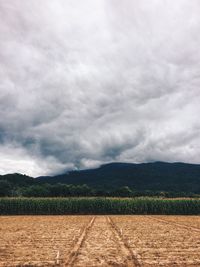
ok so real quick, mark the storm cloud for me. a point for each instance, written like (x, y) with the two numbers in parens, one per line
(88, 82)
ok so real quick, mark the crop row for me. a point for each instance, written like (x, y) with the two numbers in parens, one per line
(50, 206)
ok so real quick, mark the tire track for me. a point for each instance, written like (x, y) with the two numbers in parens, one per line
(104, 247)
(132, 257)
(176, 224)
(75, 250)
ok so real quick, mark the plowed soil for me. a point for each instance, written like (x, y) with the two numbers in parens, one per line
(80, 241)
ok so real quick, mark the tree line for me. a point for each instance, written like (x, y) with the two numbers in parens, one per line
(7, 189)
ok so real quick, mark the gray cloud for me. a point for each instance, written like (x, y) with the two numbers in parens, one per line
(88, 82)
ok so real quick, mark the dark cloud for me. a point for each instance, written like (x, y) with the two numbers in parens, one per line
(88, 82)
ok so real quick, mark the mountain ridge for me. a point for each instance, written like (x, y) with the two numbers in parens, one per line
(153, 176)
(141, 176)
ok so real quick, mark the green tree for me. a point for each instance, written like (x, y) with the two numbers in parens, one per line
(123, 191)
(5, 188)
(36, 191)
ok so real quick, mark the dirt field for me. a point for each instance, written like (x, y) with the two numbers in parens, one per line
(100, 241)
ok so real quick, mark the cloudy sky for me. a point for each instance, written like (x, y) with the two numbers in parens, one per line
(88, 82)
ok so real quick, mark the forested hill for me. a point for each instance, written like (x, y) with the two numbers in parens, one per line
(158, 176)
(146, 176)
(17, 179)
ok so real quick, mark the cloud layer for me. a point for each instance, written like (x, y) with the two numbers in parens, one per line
(88, 82)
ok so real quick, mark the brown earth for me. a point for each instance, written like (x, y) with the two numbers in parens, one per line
(90, 241)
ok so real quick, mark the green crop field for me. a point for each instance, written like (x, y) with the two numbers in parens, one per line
(60, 206)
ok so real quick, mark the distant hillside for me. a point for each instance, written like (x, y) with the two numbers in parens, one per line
(18, 179)
(146, 176)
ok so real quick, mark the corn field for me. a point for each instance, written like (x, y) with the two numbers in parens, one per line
(62, 206)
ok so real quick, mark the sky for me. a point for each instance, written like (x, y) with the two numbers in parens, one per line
(83, 83)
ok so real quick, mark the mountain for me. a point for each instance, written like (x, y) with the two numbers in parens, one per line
(145, 176)
(18, 179)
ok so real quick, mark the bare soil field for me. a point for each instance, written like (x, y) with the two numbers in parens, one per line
(85, 241)
(184, 221)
